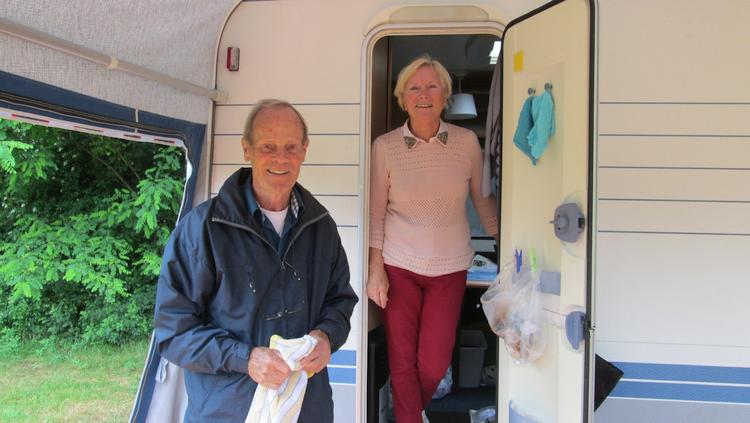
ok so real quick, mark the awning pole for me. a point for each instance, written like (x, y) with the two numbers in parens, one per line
(109, 62)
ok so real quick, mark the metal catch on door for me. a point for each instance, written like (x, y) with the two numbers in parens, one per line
(568, 222)
(575, 328)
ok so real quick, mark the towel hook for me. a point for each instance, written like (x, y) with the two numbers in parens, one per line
(548, 86)
(532, 91)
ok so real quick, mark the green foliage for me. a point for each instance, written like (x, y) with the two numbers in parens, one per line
(83, 222)
(7, 161)
(111, 322)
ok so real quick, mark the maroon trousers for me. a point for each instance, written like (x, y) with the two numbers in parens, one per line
(420, 324)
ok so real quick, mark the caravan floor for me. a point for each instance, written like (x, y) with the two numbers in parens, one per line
(446, 410)
(446, 417)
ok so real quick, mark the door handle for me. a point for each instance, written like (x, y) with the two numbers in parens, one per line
(568, 222)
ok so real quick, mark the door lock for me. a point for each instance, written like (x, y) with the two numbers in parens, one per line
(568, 222)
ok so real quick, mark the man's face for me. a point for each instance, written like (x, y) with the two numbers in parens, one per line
(276, 153)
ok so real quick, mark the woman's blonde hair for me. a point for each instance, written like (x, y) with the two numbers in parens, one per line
(409, 70)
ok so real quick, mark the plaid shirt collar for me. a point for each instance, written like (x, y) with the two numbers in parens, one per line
(412, 140)
(295, 203)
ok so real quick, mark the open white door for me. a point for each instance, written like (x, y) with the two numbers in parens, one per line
(549, 49)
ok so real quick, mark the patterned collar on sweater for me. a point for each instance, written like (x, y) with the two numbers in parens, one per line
(411, 140)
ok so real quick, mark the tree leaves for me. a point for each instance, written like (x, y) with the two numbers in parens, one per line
(7, 161)
(82, 211)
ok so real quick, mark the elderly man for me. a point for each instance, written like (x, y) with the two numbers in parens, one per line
(261, 258)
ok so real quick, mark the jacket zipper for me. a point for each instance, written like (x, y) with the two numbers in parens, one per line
(246, 228)
(282, 258)
(301, 228)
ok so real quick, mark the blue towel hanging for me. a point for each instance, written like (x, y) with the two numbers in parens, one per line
(536, 124)
(525, 123)
(543, 115)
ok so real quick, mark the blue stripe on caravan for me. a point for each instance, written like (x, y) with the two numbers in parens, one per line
(342, 375)
(682, 391)
(685, 373)
(344, 358)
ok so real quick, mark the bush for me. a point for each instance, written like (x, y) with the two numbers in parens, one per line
(83, 222)
(111, 322)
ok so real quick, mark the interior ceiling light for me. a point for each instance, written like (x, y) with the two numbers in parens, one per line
(495, 53)
(461, 106)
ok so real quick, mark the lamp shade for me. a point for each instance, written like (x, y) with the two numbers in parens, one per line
(461, 107)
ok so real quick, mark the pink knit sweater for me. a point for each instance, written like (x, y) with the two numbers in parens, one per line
(418, 192)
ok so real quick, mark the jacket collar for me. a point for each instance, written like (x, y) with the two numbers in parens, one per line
(411, 140)
(295, 204)
(231, 204)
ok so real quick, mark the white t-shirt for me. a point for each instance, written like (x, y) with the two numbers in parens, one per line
(277, 218)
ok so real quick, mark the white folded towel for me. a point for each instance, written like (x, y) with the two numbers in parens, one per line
(283, 405)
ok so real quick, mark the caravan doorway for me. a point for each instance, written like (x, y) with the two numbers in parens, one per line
(468, 57)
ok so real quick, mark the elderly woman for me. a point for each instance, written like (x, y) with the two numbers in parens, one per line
(420, 245)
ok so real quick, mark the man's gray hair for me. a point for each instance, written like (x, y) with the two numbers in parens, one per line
(266, 104)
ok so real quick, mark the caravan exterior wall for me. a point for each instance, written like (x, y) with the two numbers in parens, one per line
(671, 178)
(673, 192)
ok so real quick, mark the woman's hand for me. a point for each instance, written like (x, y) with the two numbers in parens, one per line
(377, 286)
(377, 280)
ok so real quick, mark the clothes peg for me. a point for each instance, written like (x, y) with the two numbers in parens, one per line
(532, 260)
(532, 91)
(519, 260)
(548, 86)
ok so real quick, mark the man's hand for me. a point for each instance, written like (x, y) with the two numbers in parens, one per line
(267, 368)
(320, 356)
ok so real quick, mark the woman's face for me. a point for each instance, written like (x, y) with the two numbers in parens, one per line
(424, 95)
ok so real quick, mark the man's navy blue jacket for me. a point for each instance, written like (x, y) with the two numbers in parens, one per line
(224, 289)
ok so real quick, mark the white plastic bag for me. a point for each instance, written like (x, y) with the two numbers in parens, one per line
(483, 415)
(496, 301)
(512, 305)
(445, 385)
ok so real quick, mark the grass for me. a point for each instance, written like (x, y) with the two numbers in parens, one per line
(41, 383)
